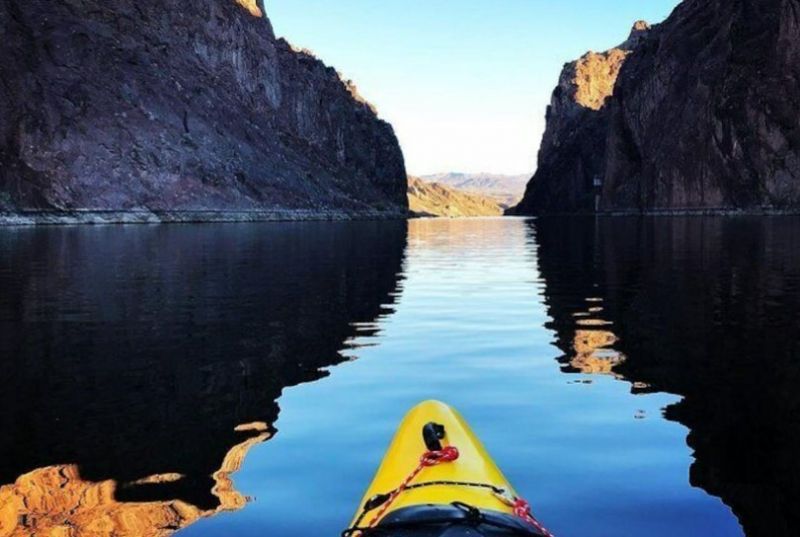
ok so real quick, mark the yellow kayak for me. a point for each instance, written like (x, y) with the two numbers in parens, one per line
(438, 480)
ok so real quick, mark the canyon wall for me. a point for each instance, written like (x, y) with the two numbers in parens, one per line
(152, 107)
(573, 146)
(703, 117)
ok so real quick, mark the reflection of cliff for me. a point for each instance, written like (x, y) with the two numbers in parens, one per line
(138, 352)
(594, 353)
(583, 329)
(707, 309)
(56, 501)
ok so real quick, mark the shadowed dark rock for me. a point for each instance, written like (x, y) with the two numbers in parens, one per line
(705, 112)
(152, 106)
(703, 117)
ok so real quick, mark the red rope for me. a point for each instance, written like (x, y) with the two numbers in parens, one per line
(428, 459)
(522, 509)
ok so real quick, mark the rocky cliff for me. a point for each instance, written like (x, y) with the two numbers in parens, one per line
(706, 111)
(573, 146)
(703, 116)
(155, 107)
(434, 199)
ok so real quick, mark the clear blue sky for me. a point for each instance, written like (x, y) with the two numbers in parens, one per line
(464, 82)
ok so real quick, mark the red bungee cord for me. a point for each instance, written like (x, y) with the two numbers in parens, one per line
(522, 509)
(428, 459)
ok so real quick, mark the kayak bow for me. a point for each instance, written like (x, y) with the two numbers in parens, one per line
(437, 479)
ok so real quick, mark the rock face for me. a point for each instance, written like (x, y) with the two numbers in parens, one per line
(706, 111)
(573, 146)
(703, 116)
(434, 199)
(151, 106)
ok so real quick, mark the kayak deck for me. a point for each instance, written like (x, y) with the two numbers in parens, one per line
(468, 480)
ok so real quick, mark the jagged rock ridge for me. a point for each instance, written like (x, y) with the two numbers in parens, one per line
(155, 106)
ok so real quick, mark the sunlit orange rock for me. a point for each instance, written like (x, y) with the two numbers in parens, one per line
(251, 6)
(573, 147)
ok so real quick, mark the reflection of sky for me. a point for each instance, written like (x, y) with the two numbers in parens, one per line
(465, 83)
(469, 329)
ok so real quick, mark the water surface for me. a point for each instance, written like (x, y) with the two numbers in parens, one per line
(631, 376)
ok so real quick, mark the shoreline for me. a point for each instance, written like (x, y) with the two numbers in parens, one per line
(716, 211)
(99, 218)
(89, 217)
(722, 212)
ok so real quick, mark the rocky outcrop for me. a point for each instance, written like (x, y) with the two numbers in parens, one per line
(149, 107)
(573, 146)
(434, 199)
(703, 117)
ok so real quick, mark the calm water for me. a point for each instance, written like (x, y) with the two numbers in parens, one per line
(631, 377)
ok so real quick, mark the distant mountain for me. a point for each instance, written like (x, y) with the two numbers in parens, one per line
(436, 199)
(506, 190)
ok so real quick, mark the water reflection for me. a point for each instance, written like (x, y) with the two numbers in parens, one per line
(141, 364)
(57, 501)
(705, 308)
